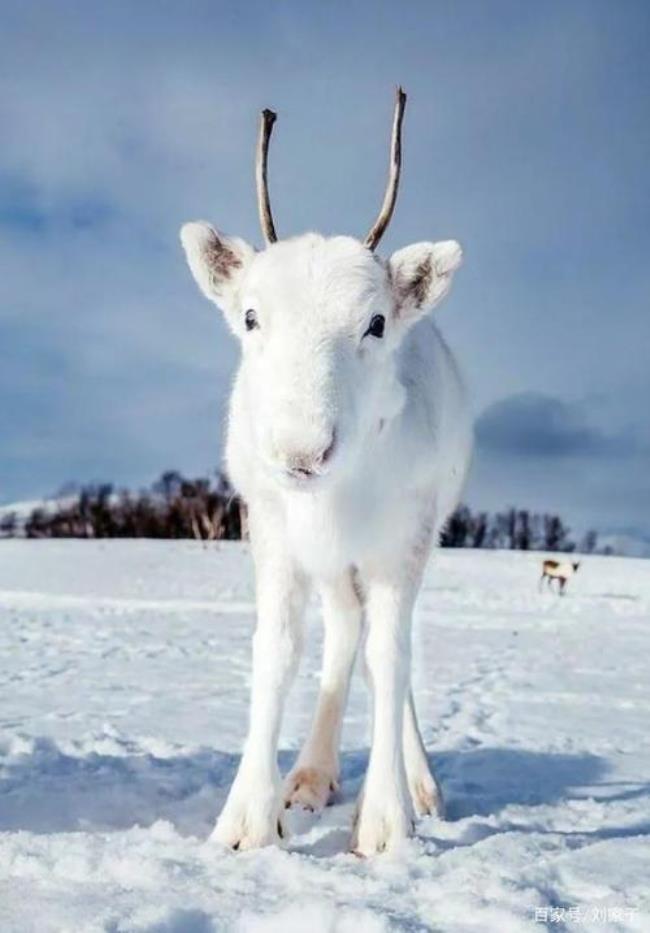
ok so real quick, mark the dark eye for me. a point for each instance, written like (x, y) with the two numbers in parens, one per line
(376, 326)
(250, 320)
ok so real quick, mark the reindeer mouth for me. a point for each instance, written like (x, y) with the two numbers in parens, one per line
(302, 473)
(301, 481)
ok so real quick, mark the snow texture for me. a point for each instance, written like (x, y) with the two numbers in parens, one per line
(124, 684)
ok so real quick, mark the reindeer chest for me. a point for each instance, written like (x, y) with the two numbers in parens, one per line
(328, 533)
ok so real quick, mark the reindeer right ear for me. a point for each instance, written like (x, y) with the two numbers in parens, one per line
(219, 264)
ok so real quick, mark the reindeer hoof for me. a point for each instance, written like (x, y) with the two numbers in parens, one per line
(309, 788)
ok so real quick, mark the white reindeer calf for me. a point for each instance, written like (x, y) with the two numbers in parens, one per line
(348, 439)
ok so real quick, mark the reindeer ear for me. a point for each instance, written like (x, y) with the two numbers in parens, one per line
(421, 275)
(219, 264)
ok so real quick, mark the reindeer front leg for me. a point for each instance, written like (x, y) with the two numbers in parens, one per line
(385, 812)
(252, 815)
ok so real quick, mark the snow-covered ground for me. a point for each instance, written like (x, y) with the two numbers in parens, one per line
(124, 677)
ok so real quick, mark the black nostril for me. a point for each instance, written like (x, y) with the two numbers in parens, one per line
(326, 455)
(302, 471)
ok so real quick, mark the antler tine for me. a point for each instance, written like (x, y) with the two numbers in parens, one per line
(267, 119)
(386, 212)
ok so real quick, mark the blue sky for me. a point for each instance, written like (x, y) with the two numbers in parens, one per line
(527, 138)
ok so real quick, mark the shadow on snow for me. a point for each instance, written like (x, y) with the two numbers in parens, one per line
(46, 790)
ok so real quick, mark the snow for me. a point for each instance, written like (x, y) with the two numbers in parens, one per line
(124, 677)
(23, 510)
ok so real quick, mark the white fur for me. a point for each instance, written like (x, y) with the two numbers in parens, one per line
(358, 521)
(565, 569)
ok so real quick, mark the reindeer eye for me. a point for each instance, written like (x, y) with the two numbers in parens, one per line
(376, 326)
(250, 320)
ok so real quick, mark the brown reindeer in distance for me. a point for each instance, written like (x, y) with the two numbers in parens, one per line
(560, 571)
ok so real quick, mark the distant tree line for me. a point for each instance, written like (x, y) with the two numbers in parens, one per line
(515, 530)
(208, 510)
(174, 507)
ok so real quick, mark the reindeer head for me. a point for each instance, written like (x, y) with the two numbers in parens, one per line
(320, 321)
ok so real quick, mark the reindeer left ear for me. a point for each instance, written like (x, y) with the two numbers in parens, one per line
(219, 265)
(421, 276)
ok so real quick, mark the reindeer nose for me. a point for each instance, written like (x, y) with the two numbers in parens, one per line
(310, 463)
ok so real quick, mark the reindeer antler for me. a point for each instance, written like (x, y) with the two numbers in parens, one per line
(268, 118)
(390, 197)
